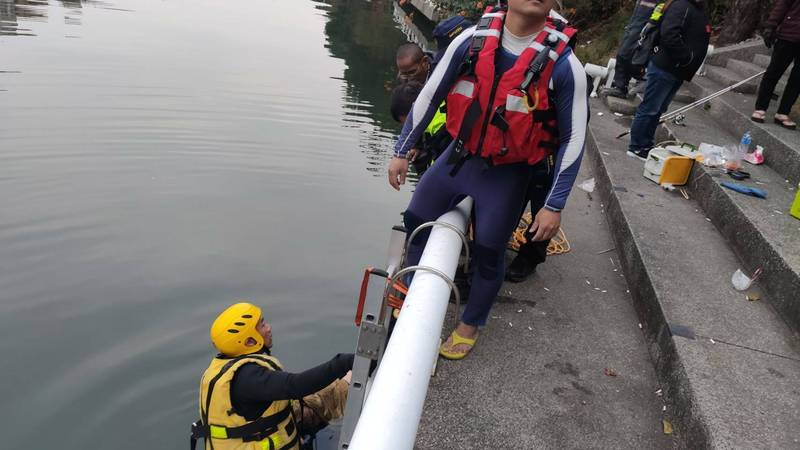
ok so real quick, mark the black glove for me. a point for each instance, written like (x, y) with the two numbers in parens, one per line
(769, 37)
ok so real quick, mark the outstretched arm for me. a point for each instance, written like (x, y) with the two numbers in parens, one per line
(255, 383)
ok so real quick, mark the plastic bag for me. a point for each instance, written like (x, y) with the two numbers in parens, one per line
(733, 156)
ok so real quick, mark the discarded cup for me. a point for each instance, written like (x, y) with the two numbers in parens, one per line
(742, 282)
(588, 185)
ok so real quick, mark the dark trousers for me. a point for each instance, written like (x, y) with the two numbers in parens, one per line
(541, 182)
(498, 192)
(658, 94)
(783, 55)
(623, 71)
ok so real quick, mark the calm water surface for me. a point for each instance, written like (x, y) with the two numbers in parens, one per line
(159, 160)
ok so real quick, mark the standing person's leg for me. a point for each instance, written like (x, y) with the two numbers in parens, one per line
(659, 92)
(498, 192)
(622, 72)
(436, 193)
(792, 90)
(781, 58)
(533, 253)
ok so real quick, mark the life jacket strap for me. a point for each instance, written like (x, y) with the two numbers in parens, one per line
(256, 430)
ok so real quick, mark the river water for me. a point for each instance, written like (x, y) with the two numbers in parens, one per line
(160, 160)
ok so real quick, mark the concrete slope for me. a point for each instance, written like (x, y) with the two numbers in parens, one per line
(544, 387)
(730, 367)
(760, 231)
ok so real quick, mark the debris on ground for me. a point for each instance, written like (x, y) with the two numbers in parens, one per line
(610, 372)
(588, 185)
(752, 297)
(667, 426)
(742, 282)
(660, 392)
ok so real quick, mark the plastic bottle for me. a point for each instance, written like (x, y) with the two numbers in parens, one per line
(744, 144)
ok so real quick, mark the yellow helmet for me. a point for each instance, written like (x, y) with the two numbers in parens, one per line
(230, 330)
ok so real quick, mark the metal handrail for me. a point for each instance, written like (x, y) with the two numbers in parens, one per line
(431, 225)
(432, 270)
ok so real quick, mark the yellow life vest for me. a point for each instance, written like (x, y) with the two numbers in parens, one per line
(224, 429)
(438, 121)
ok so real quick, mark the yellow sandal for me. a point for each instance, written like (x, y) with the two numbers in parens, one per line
(457, 339)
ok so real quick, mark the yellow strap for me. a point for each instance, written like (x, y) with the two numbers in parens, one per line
(218, 432)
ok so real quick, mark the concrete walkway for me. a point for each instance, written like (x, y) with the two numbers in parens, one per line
(536, 378)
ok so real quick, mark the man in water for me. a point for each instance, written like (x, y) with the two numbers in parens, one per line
(515, 95)
(247, 401)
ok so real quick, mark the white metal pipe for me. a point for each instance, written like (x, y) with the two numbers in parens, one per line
(392, 410)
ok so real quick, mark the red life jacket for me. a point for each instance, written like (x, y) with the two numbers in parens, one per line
(501, 117)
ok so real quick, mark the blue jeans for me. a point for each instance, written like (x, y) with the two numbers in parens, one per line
(658, 94)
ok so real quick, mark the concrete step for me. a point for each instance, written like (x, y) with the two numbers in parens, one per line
(730, 367)
(727, 77)
(746, 69)
(732, 113)
(627, 107)
(761, 60)
(760, 231)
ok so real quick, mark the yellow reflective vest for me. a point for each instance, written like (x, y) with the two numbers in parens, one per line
(224, 429)
(438, 121)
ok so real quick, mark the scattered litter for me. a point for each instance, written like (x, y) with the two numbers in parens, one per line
(667, 426)
(530, 329)
(603, 292)
(606, 251)
(684, 193)
(519, 310)
(742, 282)
(596, 289)
(708, 219)
(712, 341)
(548, 290)
(752, 297)
(778, 211)
(756, 157)
(606, 153)
(627, 291)
(587, 282)
(746, 190)
(511, 325)
(659, 392)
(495, 317)
(640, 325)
(610, 372)
(600, 114)
(664, 408)
(615, 270)
(588, 185)
(618, 114)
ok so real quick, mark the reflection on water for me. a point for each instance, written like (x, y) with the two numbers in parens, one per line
(178, 156)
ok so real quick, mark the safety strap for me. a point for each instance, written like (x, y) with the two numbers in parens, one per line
(254, 428)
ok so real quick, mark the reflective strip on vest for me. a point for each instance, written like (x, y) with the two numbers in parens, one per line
(557, 34)
(517, 104)
(539, 47)
(218, 432)
(493, 14)
(488, 32)
(465, 88)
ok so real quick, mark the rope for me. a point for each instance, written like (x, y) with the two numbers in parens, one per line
(558, 244)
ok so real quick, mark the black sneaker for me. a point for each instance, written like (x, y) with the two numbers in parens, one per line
(640, 154)
(519, 269)
(614, 91)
